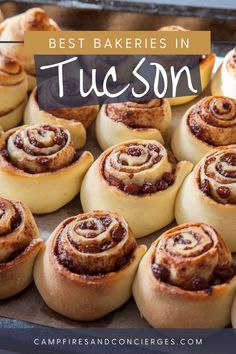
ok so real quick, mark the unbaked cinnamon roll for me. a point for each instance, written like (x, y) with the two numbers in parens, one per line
(139, 180)
(19, 246)
(119, 122)
(224, 81)
(13, 28)
(186, 279)
(76, 120)
(13, 92)
(209, 123)
(39, 165)
(88, 265)
(209, 194)
(206, 64)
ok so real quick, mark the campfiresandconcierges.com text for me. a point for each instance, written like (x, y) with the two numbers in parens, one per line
(53, 341)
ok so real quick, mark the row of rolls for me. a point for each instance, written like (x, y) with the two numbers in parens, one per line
(40, 166)
(188, 270)
(135, 187)
(92, 264)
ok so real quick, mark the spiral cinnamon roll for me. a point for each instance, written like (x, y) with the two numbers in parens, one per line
(88, 266)
(224, 81)
(39, 165)
(13, 92)
(206, 64)
(76, 120)
(186, 279)
(19, 246)
(13, 28)
(135, 178)
(119, 122)
(209, 193)
(209, 123)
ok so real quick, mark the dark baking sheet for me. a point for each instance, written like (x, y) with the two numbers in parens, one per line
(208, 9)
(114, 17)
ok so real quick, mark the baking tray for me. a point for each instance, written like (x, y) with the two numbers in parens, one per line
(119, 18)
(28, 305)
(211, 9)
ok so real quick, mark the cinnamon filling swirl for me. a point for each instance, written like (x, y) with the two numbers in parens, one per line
(94, 244)
(137, 115)
(10, 217)
(39, 148)
(217, 175)
(192, 257)
(213, 120)
(139, 169)
(12, 241)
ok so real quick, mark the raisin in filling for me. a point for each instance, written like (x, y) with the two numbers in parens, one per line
(221, 275)
(225, 170)
(68, 262)
(71, 253)
(147, 188)
(150, 158)
(211, 113)
(60, 139)
(39, 149)
(128, 113)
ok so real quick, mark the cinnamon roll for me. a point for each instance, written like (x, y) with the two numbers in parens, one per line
(39, 165)
(224, 81)
(119, 122)
(186, 279)
(13, 28)
(19, 246)
(209, 194)
(206, 64)
(76, 120)
(88, 265)
(139, 180)
(13, 92)
(209, 123)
